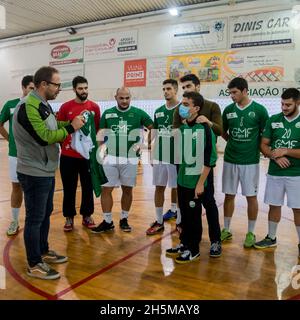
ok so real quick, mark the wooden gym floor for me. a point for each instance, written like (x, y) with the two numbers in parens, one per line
(132, 265)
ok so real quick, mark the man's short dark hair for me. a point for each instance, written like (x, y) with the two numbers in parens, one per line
(196, 97)
(239, 83)
(291, 93)
(43, 74)
(78, 79)
(191, 77)
(172, 82)
(27, 80)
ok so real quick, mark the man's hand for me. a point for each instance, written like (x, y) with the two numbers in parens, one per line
(283, 162)
(199, 190)
(203, 119)
(278, 153)
(78, 122)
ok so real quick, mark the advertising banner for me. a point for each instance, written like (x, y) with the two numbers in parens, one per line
(66, 52)
(262, 29)
(111, 46)
(135, 73)
(200, 36)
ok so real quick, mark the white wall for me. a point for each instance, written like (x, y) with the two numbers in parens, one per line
(24, 56)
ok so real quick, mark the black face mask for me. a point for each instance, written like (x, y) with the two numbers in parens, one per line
(81, 97)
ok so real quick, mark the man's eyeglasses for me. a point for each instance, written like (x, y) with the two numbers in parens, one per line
(58, 85)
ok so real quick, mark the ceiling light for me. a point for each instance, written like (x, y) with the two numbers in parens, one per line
(174, 12)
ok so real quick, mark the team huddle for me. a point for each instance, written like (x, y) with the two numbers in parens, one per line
(182, 143)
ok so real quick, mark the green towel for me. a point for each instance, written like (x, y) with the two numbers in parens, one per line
(97, 172)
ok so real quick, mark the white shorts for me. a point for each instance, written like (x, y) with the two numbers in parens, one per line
(247, 175)
(164, 174)
(119, 173)
(12, 161)
(278, 187)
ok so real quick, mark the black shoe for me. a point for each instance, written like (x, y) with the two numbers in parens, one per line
(175, 251)
(103, 227)
(124, 225)
(187, 256)
(215, 249)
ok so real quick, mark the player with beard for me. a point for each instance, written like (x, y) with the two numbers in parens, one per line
(281, 143)
(72, 163)
(121, 130)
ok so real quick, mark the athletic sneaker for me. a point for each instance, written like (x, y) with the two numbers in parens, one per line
(124, 225)
(155, 228)
(88, 222)
(69, 225)
(43, 271)
(250, 240)
(267, 242)
(175, 251)
(226, 235)
(103, 227)
(169, 215)
(52, 257)
(215, 249)
(187, 257)
(13, 228)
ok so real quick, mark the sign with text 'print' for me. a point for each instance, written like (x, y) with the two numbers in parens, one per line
(135, 73)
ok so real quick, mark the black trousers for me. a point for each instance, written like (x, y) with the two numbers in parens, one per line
(70, 168)
(191, 218)
(212, 212)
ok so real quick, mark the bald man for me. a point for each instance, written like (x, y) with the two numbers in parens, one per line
(120, 128)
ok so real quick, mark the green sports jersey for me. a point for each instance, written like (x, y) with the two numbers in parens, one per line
(203, 139)
(244, 127)
(6, 114)
(125, 130)
(164, 142)
(283, 134)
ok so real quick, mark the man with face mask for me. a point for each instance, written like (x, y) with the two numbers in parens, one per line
(198, 156)
(120, 128)
(37, 134)
(72, 163)
(281, 143)
(209, 114)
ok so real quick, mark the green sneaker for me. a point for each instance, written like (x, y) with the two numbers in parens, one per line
(13, 228)
(267, 242)
(226, 235)
(250, 240)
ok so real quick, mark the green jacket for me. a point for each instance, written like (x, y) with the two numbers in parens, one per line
(37, 133)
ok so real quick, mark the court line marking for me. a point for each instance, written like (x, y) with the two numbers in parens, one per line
(26, 284)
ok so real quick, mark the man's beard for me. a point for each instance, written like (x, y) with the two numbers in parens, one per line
(81, 97)
(291, 113)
